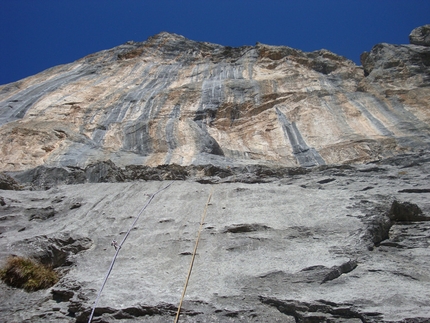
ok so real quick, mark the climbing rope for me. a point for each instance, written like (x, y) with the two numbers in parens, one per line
(194, 255)
(118, 248)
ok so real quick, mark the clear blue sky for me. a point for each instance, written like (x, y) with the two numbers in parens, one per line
(38, 34)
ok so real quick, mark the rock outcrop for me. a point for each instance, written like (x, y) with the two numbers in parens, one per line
(420, 36)
(8, 183)
(170, 100)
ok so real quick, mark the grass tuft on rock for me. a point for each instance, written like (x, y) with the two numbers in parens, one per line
(28, 274)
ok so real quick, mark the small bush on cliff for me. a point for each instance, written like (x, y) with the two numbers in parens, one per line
(28, 274)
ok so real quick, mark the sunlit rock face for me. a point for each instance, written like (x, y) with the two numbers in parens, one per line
(170, 100)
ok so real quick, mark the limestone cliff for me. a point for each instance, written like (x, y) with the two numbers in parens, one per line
(173, 100)
(333, 243)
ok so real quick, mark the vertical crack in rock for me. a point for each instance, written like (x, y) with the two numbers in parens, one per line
(305, 155)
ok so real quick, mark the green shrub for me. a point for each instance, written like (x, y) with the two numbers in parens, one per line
(28, 274)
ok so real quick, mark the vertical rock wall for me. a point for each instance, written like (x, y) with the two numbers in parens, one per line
(173, 100)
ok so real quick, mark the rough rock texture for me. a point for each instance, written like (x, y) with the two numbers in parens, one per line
(170, 100)
(8, 183)
(420, 36)
(85, 145)
(332, 244)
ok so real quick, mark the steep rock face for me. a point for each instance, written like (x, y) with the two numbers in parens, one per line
(172, 100)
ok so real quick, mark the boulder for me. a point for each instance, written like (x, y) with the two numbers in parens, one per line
(398, 62)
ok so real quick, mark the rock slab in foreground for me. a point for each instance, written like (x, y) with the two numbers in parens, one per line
(298, 249)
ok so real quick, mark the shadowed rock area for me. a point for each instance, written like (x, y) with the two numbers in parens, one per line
(318, 173)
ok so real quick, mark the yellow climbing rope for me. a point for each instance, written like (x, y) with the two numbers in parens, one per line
(194, 255)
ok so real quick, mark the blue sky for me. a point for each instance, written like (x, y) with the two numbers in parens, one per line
(38, 34)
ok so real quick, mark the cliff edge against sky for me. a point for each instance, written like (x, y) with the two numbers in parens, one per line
(173, 100)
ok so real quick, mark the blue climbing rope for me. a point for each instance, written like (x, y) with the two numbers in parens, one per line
(118, 248)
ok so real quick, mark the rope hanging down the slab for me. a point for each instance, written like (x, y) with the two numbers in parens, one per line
(118, 248)
(194, 255)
